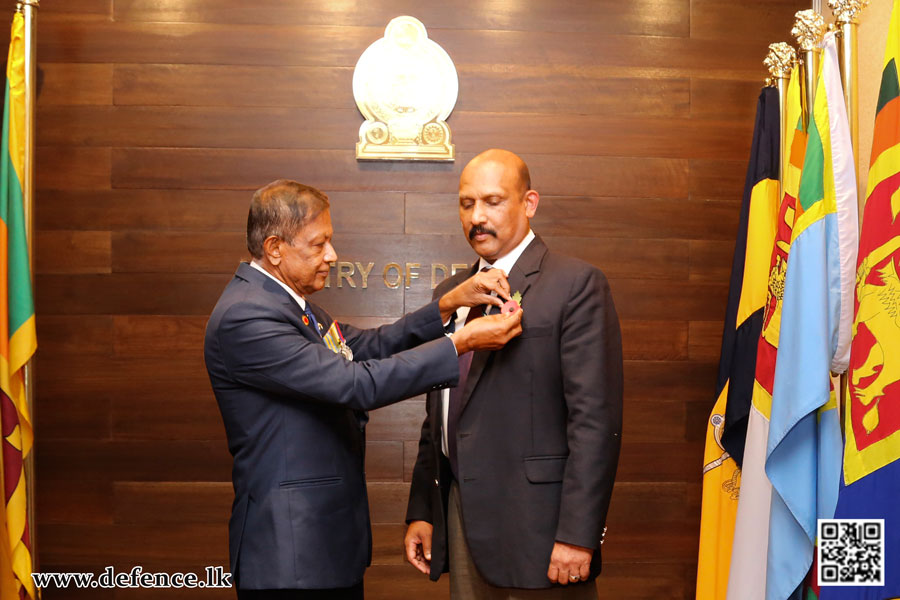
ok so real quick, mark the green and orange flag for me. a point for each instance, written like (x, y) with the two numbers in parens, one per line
(18, 340)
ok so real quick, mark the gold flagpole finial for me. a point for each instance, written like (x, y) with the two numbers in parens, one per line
(847, 11)
(809, 29)
(780, 60)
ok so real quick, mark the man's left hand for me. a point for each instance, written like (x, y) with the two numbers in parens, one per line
(476, 291)
(568, 561)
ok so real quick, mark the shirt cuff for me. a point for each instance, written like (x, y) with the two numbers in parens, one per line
(450, 337)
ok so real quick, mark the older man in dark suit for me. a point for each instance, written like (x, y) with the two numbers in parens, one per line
(516, 464)
(293, 387)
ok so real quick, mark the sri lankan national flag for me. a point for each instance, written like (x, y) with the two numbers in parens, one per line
(743, 321)
(871, 476)
(17, 333)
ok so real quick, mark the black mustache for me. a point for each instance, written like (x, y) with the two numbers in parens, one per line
(480, 229)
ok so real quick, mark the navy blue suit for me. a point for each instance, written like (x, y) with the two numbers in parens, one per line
(294, 414)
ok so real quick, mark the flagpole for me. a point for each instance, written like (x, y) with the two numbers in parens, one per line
(29, 10)
(846, 16)
(809, 28)
(780, 60)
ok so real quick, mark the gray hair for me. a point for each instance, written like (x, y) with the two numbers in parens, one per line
(281, 208)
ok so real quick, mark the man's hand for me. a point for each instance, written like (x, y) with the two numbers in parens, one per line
(569, 561)
(476, 291)
(418, 545)
(487, 333)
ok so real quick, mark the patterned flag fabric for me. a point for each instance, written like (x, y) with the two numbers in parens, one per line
(751, 530)
(743, 321)
(803, 447)
(17, 333)
(871, 482)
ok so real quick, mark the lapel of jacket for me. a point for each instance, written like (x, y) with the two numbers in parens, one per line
(325, 320)
(322, 317)
(280, 297)
(520, 279)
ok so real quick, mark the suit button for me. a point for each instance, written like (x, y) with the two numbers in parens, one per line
(436, 482)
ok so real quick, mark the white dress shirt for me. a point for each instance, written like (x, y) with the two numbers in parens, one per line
(504, 263)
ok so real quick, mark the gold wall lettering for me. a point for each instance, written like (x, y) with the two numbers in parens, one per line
(354, 275)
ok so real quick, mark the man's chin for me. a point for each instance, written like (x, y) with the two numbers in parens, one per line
(317, 285)
(484, 248)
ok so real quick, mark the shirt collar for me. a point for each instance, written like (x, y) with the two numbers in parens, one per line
(505, 263)
(298, 298)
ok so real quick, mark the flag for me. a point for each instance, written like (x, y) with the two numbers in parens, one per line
(871, 474)
(751, 530)
(17, 332)
(804, 444)
(743, 321)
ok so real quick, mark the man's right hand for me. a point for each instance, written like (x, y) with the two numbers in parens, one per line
(487, 333)
(418, 545)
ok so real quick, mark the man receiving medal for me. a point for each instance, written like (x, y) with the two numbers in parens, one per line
(516, 463)
(293, 387)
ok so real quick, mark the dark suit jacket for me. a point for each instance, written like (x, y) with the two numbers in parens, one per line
(539, 435)
(293, 413)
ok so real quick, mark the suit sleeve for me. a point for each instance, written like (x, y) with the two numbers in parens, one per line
(408, 332)
(262, 349)
(419, 507)
(591, 358)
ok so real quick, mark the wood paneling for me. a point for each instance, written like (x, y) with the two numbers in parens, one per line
(172, 294)
(724, 99)
(483, 88)
(72, 167)
(200, 210)
(628, 258)
(77, 10)
(74, 83)
(330, 128)
(726, 20)
(62, 336)
(718, 179)
(157, 335)
(73, 252)
(711, 260)
(601, 217)
(339, 170)
(327, 45)
(655, 340)
(158, 119)
(705, 340)
(639, 17)
(232, 85)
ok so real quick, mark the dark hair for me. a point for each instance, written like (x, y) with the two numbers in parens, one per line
(281, 208)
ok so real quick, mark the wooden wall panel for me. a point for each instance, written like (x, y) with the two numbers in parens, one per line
(157, 120)
(76, 83)
(610, 217)
(639, 17)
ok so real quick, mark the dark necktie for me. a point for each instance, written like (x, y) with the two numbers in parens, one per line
(312, 319)
(454, 408)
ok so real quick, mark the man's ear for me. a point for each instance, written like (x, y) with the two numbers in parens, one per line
(272, 249)
(531, 203)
